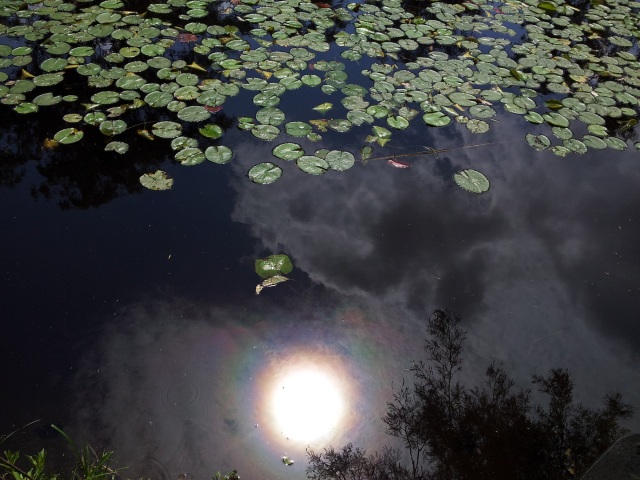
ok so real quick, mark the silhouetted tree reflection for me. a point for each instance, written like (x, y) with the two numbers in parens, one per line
(487, 432)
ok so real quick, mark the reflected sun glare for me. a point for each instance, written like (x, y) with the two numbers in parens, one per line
(307, 404)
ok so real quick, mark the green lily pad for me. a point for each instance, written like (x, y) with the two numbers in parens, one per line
(340, 160)
(436, 119)
(218, 154)
(312, 164)
(539, 142)
(117, 147)
(288, 151)
(166, 129)
(190, 156)
(279, 264)
(270, 116)
(472, 181)
(194, 113)
(264, 173)
(112, 127)
(265, 132)
(68, 135)
(211, 131)
(159, 180)
(297, 129)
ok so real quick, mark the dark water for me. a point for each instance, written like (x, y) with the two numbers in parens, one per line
(134, 324)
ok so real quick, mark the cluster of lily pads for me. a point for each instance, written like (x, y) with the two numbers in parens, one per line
(380, 63)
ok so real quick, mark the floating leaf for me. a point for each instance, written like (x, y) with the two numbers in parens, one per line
(472, 181)
(396, 164)
(190, 156)
(264, 173)
(323, 107)
(265, 132)
(273, 265)
(211, 130)
(340, 160)
(167, 129)
(436, 119)
(297, 129)
(312, 164)
(539, 142)
(159, 180)
(68, 135)
(272, 282)
(194, 113)
(218, 154)
(118, 147)
(288, 151)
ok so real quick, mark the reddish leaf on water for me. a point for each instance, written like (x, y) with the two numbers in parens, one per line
(397, 164)
(187, 37)
(212, 109)
(323, 5)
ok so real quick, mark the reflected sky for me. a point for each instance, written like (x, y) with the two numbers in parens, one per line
(180, 367)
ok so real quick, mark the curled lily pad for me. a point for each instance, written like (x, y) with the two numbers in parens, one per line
(288, 151)
(159, 180)
(472, 181)
(264, 173)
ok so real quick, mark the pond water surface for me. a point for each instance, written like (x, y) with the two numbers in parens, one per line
(130, 318)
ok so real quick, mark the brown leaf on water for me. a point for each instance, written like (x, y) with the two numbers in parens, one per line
(50, 144)
(143, 132)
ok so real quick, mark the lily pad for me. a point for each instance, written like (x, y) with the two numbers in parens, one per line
(218, 154)
(68, 135)
(194, 113)
(436, 119)
(472, 181)
(340, 160)
(539, 142)
(264, 173)
(312, 164)
(167, 129)
(288, 151)
(279, 264)
(211, 130)
(159, 180)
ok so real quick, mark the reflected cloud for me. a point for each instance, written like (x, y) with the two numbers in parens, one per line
(543, 267)
(174, 388)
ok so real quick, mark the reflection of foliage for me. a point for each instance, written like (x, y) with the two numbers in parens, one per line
(485, 432)
(89, 465)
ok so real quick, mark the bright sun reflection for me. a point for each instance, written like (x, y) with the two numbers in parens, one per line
(307, 404)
